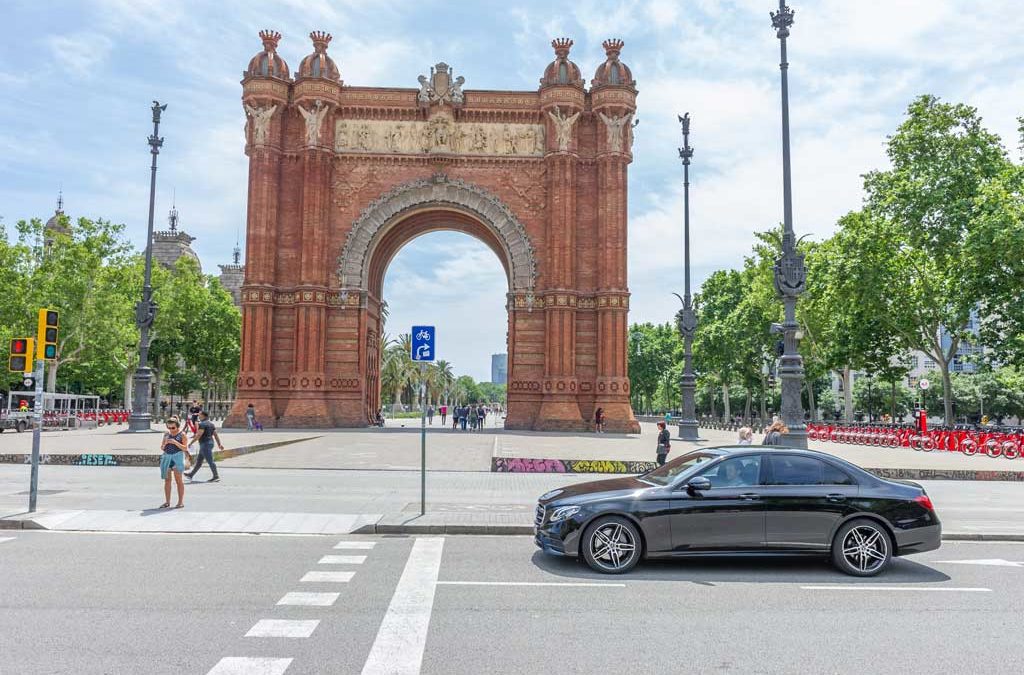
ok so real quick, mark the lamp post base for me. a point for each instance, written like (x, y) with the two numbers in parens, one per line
(795, 439)
(688, 430)
(141, 423)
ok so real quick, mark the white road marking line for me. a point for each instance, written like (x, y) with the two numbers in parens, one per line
(398, 648)
(995, 562)
(309, 599)
(245, 665)
(3, 539)
(358, 545)
(328, 577)
(286, 628)
(530, 583)
(857, 587)
(342, 560)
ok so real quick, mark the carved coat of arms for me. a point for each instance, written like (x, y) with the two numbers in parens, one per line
(790, 275)
(440, 88)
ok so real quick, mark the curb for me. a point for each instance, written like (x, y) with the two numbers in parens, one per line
(111, 459)
(24, 521)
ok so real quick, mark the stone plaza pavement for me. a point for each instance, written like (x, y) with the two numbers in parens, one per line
(397, 447)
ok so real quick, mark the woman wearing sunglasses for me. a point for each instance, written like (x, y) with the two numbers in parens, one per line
(172, 461)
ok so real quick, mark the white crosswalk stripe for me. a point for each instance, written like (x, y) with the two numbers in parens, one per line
(328, 577)
(309, 599)
(286, 628)
(245, 665)
(342, 560)
(3, 539)
(356, 545)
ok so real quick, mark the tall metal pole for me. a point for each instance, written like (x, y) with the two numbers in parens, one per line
(423, 439)
(686, 319)
(145, 310)
(790, 271)
(37, 431)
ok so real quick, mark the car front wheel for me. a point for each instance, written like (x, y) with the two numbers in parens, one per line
(862, 548)
(611, 545)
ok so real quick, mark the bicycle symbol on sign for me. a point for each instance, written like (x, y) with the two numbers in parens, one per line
(423, 335)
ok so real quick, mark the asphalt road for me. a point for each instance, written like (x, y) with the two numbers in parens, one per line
(94, 603)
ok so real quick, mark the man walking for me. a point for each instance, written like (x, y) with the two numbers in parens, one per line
(430, 415)
(444, 414)
(206, 435)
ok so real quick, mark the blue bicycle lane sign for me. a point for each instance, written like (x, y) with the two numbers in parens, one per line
(422, 344)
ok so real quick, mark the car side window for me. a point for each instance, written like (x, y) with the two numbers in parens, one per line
(797, 470)
(742, 471)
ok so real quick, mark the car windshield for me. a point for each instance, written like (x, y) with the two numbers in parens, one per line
(664, 475)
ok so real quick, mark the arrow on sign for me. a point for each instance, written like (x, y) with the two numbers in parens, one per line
(995, 562)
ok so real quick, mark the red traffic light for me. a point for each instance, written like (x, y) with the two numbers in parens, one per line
(19, 346)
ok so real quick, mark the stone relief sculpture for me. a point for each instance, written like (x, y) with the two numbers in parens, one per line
(424, 95)
(440, 133)
(260, 122)
(314, 118)
(614, 126)
(455, 93)
(563, 127)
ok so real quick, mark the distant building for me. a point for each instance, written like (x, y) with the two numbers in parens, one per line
(499, 368)
(171, 244)
(232, 276)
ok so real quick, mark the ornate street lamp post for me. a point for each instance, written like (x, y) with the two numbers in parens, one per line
(790, 271)
(145, 310)
(686, 319)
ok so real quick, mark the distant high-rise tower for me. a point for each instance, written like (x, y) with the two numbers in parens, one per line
(499, 368)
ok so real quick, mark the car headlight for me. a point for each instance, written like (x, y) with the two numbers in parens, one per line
(563, 512)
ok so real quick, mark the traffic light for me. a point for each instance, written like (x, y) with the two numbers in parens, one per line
(47, 334)
(20, 360)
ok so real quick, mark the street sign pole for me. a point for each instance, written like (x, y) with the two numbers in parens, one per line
(421, 346)
(37, 429)
(423, 439)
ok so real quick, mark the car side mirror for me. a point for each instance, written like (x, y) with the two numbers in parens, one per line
(698, 484)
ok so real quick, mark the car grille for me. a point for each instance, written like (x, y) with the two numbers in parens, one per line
(538, 518)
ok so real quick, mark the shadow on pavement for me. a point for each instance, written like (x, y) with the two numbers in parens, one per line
(746, 569)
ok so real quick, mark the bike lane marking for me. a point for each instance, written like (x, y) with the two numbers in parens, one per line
(858, 587)
(402, 636)
(301, 599)
(246, 665)
(286, 628)
(342, 560)
(355, 545)
(563, 584)
(327, 577)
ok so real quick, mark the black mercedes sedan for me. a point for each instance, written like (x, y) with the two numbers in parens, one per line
(744, 500)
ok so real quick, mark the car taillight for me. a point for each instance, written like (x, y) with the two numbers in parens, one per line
(925, 501)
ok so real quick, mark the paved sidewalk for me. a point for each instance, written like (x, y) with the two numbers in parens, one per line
(457, 502)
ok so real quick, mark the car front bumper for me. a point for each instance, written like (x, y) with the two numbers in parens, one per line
(561, 538)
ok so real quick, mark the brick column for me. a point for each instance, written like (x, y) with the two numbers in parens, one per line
(255, 379)
(612, 385)
(307, 405)
(560, 408)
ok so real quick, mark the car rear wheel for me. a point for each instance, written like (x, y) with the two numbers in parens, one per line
(862, 548)
(611, 545)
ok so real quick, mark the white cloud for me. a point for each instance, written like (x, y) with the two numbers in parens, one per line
(80, 53)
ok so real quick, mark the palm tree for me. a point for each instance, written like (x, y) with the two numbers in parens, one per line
(444, 376)
(397, 369)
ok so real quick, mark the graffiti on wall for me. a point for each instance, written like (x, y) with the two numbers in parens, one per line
(530, 465)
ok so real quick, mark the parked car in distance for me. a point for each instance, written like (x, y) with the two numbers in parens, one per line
(742, 500)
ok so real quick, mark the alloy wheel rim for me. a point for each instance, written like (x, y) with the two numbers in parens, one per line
(612, 546)
(865, 548)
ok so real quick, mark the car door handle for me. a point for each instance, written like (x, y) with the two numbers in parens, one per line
(750, 496)
(837, 498)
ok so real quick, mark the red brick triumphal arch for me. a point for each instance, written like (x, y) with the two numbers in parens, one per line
(341, 177)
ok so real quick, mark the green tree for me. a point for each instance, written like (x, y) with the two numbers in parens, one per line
(927, 204)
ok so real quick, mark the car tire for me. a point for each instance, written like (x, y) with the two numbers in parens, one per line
(862, 548)
(611, 545)
(21, 426)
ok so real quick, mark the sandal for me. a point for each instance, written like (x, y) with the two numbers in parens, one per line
(180, 506)
(165, 505)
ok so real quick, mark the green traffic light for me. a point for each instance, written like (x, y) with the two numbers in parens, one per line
(50, 351)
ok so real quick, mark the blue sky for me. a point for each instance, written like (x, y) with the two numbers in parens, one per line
(78, 78)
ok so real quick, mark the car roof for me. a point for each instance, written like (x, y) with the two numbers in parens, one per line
(724, 450)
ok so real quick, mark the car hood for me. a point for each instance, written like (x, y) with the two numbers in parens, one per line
(597, 489)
